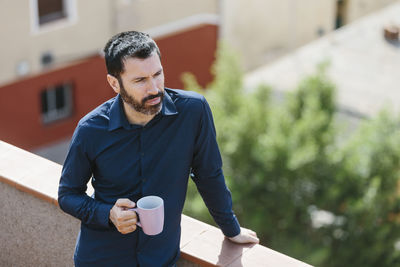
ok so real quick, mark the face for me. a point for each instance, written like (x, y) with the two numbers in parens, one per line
(141, 85)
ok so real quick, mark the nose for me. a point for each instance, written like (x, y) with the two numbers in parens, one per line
(152, 88)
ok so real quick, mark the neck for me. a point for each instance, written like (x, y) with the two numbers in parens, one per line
(135, 117)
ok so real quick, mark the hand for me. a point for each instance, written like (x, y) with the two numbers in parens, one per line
(245, 236)
(124, 219)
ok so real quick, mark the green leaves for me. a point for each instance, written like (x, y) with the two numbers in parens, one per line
(285, 159)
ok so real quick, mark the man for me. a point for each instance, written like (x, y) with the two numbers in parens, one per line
(145, 141)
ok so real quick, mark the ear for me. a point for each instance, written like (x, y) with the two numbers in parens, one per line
(113, 82)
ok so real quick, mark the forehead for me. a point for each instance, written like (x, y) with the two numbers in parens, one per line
(142, 66)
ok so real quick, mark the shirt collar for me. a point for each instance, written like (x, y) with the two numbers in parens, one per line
(168, 107)
(118, 118)
(117, 115)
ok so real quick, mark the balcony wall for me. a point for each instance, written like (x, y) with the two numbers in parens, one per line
(35, 232)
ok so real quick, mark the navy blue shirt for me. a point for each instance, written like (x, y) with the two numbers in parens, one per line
(132, 161)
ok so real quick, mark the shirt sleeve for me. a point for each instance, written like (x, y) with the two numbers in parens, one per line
(208, 176)
(72, 197)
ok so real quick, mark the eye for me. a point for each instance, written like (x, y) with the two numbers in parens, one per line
(139, 80)
(158, 73)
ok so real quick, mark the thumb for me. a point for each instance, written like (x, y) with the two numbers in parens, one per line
(125, 203)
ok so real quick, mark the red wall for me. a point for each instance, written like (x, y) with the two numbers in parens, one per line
(190, 51)
(20, 114)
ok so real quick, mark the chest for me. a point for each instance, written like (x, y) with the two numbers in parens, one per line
(129, 156)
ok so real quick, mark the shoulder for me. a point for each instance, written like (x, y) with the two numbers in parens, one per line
(183, 94)
(95, 120)
(187, 99)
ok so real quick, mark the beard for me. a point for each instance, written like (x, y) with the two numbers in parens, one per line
(140, 106)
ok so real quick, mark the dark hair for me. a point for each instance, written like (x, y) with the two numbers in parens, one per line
(126, 45)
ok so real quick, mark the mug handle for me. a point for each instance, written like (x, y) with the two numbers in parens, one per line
(137, 213)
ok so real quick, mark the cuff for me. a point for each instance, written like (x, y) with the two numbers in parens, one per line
(232, 229)
(103, 215)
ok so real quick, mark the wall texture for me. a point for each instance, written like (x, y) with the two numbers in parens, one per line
(34, 232)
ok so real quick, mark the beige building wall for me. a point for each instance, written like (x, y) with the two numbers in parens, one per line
(146, 15)
(92, 23)
(358, 8)
(23, 44)
(261, 30)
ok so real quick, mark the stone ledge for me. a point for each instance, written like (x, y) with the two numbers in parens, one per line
(205, 245)
(201, 244)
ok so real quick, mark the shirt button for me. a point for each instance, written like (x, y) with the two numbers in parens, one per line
(144, 179)
(142, 154)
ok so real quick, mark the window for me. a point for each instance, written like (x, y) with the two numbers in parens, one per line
(49, 14)
(50, 10)
(56, 103)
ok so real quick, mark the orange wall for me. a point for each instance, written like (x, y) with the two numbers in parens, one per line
(191, 51)
(20, 118)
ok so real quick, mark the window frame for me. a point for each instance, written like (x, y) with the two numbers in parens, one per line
(69, 19)
(54, 114)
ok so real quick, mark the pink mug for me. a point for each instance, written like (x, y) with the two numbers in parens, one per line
(150, 211)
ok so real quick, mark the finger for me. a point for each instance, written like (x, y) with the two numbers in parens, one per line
(127, 223)
(247, 239)
(127, 230)
(125, 217)
(128, 214)
(249, 231)
(253, 234)
(125, 202)
(252, 239)
(244, 238)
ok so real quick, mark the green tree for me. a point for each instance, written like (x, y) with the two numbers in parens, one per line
(286, 168)
(365, 194)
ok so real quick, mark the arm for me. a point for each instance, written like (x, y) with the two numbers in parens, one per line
(72, 196)
(210, 181)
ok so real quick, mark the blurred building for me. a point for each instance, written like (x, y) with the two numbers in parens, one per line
(53, 74)
(264, 30)
(363, 63)
(41, 34)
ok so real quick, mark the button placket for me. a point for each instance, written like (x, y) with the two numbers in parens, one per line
(142, 155)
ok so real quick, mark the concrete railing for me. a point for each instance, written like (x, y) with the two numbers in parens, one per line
(35, 232)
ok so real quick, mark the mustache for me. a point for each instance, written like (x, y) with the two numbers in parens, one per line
(160, 94)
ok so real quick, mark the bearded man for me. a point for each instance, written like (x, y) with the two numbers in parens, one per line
(145, 141)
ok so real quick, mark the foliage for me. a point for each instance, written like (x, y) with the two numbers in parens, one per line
(305, 195)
